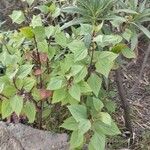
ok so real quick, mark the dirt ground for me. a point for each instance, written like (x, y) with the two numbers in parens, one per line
(138, 97)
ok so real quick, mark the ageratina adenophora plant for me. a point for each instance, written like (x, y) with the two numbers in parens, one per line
(59, 60)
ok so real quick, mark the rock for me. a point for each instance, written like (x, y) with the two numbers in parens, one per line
(21, 137)
(7, 141)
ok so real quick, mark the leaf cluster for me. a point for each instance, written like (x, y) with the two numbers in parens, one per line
(43, 65)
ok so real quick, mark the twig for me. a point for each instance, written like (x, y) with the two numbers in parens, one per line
(14, 82)
(2, 95)
(40, 84)
(48, 67)
(90, 68)
(124, 101)
(33, 100)
(5, 3)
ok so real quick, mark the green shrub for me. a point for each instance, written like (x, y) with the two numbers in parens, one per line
(43, 65)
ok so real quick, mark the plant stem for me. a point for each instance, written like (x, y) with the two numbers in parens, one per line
(90, 68)
(2, 95)
(48, 67)
(124, 102)
(14, 82)
(40, 84)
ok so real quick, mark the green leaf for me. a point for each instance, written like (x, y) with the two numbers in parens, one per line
(76, 140)
(46, 112)
(12, 75)
(72, 22)
(17, 104)
(84, 87)
(9, 90)
(2, 87)
(6, 109)
(110, 106)
(129, 11)
(128, 53)
(105, 118)
(0, 107)
(43, 46)
(98, 105)
(81, 75)
(24, 70)
(79, 112)
(30, 111)
(142, 6)
(27, 32)
(61, 39)
(55, 83)
(105, 62)
(67, 63)
(52, 8)
(97, 142)
(39, 32)
(79, 50)
(49, 31)
(36, 21)
(59, 95)
(84, 126)
(30, 2)
(88, 40)
(28, 83)
(44, 9)
(86, 28)
(75, 69)
(17, 16)
(95, 83)
(56, 13)
(116, 21)
(102, 128)
(69, 100)
(134, 40)
(36, 94)
(51, 52)
(118, 48)
(7, 59)
(127, 34)
(75, 92)
(143, 29)
(106, 40)
(70, 124)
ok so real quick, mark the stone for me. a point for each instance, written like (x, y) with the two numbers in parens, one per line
(21, 137)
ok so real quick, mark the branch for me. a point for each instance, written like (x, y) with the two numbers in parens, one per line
(40, 83)
(2, 95)
(124, 102)
(90, 68)
(14, 82)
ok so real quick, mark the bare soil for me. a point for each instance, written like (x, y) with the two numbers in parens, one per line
(139, 99)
